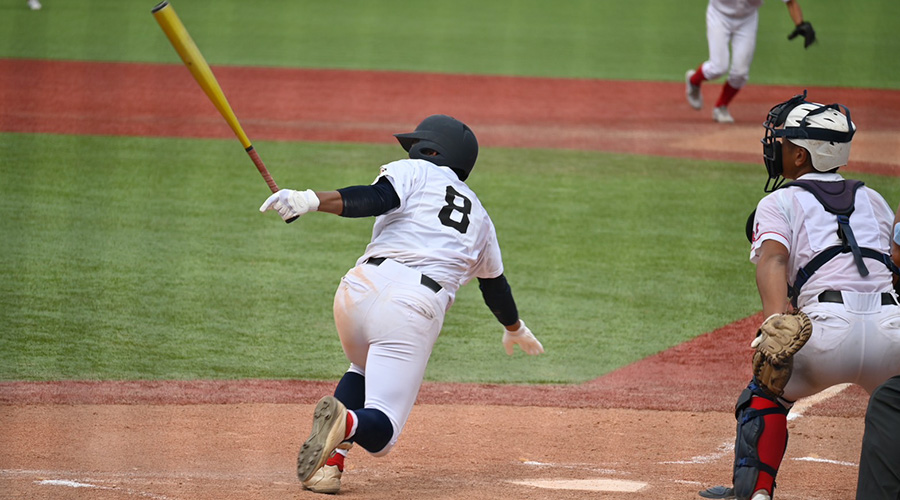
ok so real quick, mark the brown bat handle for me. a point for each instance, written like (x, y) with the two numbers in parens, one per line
(265, 173)
(262, 168)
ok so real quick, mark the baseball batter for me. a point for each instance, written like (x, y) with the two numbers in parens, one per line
(431, 236)
(824, 242)
(734, 23)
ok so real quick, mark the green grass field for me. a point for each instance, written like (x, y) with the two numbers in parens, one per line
(108, 270)
(638, 40)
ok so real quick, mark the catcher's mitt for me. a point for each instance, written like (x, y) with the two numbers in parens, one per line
(779, 338)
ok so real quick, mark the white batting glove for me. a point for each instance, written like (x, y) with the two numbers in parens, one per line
(291, 204)
(523, 338)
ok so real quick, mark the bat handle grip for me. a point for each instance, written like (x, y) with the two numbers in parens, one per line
(262, 168)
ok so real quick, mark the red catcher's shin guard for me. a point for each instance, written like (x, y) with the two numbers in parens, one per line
(772, 442)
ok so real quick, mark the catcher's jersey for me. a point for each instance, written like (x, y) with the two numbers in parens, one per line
(440, 228)
(794, 217)
(737, 8)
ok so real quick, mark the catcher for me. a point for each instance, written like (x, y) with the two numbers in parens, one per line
(821, 245)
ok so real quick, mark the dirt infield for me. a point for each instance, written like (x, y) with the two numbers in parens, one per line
(659, 428)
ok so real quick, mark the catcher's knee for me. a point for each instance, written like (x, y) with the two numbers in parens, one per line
(750, 427)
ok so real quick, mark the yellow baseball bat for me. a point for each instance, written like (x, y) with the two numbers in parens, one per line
(179, 37)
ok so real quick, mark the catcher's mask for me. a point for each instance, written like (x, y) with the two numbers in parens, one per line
(444, 141)
(824, 131)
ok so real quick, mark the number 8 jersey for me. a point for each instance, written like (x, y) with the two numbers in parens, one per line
(440, 228)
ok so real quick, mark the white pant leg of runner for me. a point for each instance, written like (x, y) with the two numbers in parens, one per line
(718, 37)
(388, 323)
(743, 46)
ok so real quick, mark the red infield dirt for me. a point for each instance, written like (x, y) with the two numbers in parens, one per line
(659, 428)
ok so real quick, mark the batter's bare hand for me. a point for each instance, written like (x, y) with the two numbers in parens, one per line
(805, 30)
(291, 204)
(523, 338)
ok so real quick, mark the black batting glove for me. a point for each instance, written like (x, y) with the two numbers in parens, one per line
(805, 30)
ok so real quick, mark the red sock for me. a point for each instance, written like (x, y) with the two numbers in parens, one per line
(698, 77)
(728, 93)
(336, 459)
(771, 444)
(350, 430)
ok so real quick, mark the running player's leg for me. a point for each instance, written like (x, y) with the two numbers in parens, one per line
(718, 37)
(743, 46)
(398, 357)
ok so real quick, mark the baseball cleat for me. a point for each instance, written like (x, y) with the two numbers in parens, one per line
(692, 91)
(721, 115)
(720, 492)
(325, 480)
(328, 430)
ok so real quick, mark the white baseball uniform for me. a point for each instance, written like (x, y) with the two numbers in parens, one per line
(388, 319)
(731, 22)
(857, 341)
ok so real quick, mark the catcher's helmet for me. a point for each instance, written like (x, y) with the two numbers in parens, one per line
(452, 140)
(824, 131)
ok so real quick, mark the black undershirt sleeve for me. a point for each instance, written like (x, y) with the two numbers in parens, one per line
(498, 296)
(367, 201)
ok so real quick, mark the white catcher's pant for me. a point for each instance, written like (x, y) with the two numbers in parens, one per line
(388, 323)
(854, 342)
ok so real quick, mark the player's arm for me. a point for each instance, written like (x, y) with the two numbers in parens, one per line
(353, 201)
(802, 27)
(366, 201)
(771, 277)
(498, 296)
(795, 12)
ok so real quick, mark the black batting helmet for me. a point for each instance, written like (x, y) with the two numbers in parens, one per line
(452, 140)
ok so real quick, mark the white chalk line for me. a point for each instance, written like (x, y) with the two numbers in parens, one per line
(79, 484)
(826, 461)
(113, 481)
(105, 477)
(806, 403)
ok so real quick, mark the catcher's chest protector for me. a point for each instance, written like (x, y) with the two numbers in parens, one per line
(837, 198)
